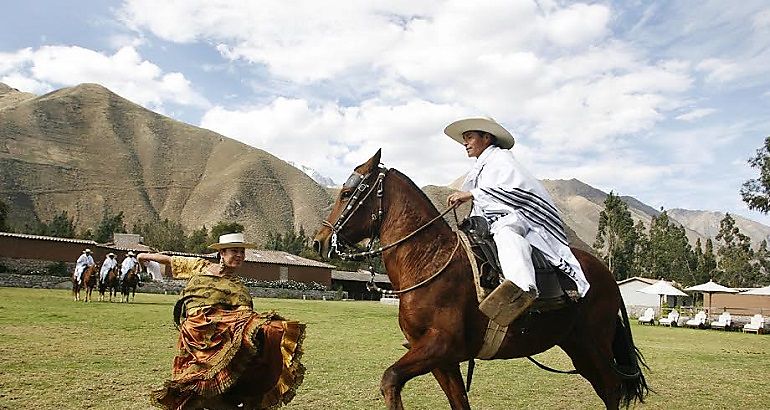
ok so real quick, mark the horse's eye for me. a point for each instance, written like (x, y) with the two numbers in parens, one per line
(346, 194)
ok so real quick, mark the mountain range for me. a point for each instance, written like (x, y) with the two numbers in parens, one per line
(86, 150)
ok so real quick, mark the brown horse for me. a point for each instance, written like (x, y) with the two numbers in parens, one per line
(128, 285)
(111, 282)
(440, 317)
(87, 283)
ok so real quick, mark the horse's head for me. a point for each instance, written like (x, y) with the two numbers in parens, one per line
(357, 211)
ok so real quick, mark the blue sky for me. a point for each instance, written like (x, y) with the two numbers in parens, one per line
(664, 101)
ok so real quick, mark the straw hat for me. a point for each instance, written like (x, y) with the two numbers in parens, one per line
(456, 129)
(110, 254)
(130, 253)
(87, 251)
(231, 240)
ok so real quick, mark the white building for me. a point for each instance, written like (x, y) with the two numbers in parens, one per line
(636, 302)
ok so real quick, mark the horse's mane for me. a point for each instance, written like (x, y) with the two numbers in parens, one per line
(431, 207)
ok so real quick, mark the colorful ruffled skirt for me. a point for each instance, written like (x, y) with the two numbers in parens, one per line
(234, 358)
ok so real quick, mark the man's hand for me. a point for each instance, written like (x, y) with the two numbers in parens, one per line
(458, 198)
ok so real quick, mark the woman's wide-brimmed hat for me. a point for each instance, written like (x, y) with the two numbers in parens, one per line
(456, 129)
(232, 240)
(130, 253)
(110, 254)
(87, 250)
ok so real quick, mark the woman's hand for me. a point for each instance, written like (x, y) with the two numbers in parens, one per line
(458, 198)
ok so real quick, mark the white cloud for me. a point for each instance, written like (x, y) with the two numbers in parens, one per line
(720, 70)
(577, 24)
(696, 114)
(124, 72)
(334, 139)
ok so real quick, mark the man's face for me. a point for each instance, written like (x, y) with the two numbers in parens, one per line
(475, 143)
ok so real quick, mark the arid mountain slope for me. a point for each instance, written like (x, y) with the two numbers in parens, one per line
(84, 149)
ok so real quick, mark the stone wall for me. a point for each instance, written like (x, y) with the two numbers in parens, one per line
(171, 287)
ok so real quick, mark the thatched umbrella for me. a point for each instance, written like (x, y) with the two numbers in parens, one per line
(662, 288)
(710, 287)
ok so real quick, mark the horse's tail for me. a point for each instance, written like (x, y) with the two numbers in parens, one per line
(628, 362)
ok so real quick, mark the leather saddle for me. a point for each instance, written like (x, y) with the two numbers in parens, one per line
(555, 288)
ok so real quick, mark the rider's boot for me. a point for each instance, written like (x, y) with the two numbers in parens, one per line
(507, 302)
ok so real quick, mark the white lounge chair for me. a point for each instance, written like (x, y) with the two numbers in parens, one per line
(647, 317)
(757, 324)
(723, 322)
(698, 321)
(671, 320)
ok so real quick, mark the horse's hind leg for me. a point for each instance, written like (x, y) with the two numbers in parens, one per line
(593, 361)
(451, 381)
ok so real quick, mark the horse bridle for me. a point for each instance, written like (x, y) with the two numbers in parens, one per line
(361, 192)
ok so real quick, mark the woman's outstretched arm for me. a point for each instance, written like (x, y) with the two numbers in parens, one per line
(155, 257)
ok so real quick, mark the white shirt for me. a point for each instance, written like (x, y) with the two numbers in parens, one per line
(502, 187)
(108, 264)
(127, 264)
(84, 260)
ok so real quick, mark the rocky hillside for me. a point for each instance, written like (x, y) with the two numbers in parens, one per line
(706, 223)
(85, 149)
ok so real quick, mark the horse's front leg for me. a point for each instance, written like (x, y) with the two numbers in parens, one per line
(424, 356)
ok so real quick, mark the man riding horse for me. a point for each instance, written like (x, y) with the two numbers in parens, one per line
(85, 260)
(519, 210)
(110, 262)
(128, 264)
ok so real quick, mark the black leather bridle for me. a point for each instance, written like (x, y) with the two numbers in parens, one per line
(361, 191)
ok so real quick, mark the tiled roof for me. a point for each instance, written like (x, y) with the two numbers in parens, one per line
(48, 238)
(282, 258)
(360, 276)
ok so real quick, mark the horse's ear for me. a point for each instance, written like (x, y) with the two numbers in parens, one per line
(373, 162)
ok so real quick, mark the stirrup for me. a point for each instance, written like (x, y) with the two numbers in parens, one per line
(506, 303)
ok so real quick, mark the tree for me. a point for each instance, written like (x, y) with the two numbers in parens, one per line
(735, 255)
(163, 235)
(3, 216)
(62, 226)
(762, 264)
(289, 241)
(616, 237)
(198, 241)
(222, 228)
(640, 265)
(110, 223)
(671, 255)
(756, 192)
(706, 262)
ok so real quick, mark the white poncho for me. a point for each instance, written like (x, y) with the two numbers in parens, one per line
(501, 187)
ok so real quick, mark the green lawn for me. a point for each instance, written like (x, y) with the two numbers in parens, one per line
(57, 353)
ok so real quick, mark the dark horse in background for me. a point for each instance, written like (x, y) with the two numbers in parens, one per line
(87, 283)
(128, 284)
(111, 282)
(440, 318)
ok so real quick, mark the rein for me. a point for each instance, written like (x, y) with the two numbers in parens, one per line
(372, 286)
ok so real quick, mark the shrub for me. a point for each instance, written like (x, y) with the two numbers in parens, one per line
(57, 269)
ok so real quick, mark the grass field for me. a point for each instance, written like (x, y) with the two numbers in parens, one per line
(61, 354)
